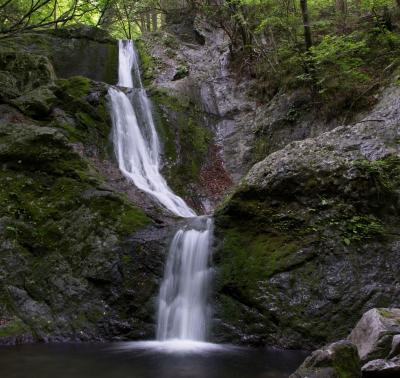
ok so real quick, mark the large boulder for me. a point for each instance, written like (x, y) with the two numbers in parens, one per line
(308, 242)
(374, 334)
(37, 103)
(21, 72)
(337, 360)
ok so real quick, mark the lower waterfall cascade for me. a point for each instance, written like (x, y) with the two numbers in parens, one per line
(183, 310)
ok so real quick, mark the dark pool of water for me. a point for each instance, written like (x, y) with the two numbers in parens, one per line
(132, 360)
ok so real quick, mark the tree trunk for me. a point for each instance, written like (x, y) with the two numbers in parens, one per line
(148, 22)
(154, 18)
(341, 6)
(358, 7)
(306, 24)
(55, 14)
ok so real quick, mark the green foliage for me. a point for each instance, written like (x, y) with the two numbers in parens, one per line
(181, 72)
(13, 328)
(338, 59)
(355, 49)
(360, 228)
(384, 173)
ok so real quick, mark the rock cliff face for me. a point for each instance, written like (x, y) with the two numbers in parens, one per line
(78, 50)
(78, 259)
(203, 111)
(309, 239)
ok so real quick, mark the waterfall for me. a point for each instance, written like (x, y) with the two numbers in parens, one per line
(182, 311)
(182, 308)
(135, 138)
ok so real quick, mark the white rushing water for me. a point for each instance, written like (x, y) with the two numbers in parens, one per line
(183, 311)
(135, 138)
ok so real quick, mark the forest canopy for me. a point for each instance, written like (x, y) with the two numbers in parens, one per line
(340, 50)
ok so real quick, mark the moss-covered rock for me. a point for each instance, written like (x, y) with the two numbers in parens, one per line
(305, 240)
(186, 142)
(27, 71)
(374, 333)
(36, 103)
(186, 114)
(337, 360)
(71, 267)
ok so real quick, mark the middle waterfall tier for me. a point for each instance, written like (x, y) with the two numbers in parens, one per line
(135, 138)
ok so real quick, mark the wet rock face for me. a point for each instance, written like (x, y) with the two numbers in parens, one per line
(197, 98)
(308, 241)
(78, 50)
(337, 360)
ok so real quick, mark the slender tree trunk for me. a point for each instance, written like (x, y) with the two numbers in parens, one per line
(341, 6)
(306, 24)
(164, 19)
(358, 7)
(142, 23)
(55, 14)
(148, 22)
(341, 11)
(154, 18)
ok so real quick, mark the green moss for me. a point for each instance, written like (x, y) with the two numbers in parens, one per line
(384, 173)
(77, 86)
(132, 219)
(346, 363)
(147, 63)
(87, 123)
(361, 228)
(110, 62)
(181, 72)
(185, 140)
(129, 218)
(250, 257)
(14, 327)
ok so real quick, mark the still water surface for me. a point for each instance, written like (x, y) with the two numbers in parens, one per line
(145, 360)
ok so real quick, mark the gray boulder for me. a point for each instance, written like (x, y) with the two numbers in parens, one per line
(374, 333)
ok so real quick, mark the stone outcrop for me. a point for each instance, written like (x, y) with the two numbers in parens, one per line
(308, 241)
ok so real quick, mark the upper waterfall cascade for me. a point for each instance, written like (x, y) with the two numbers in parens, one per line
(135, 138)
